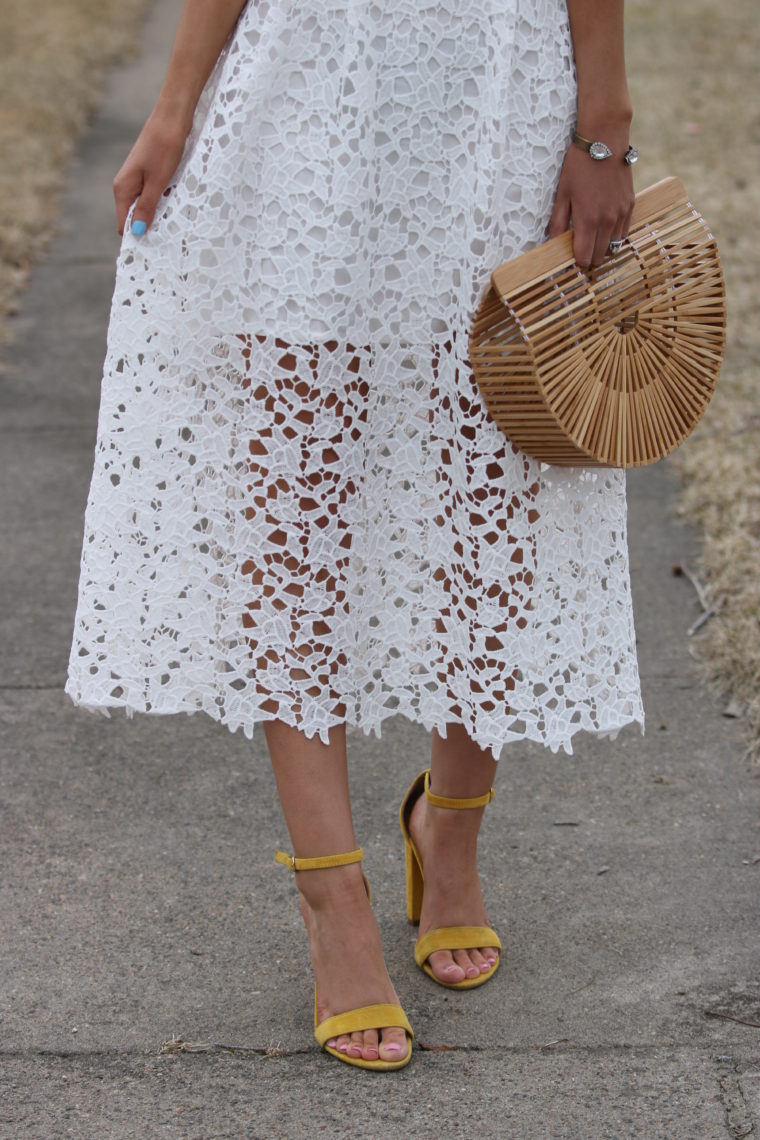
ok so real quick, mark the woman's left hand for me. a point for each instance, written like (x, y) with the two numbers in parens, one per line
(597, 198)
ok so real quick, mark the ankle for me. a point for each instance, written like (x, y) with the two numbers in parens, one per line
(442, 826)
(458, 791)
(332, 887)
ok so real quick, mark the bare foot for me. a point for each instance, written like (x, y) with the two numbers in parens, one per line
(447, 842)
(347, 959)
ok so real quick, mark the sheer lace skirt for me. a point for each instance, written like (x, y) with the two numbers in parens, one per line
(299, 507)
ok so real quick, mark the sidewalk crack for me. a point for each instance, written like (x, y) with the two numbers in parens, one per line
(738, 1119)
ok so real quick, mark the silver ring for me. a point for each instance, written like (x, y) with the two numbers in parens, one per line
(616, 246)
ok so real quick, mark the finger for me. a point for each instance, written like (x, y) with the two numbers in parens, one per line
(601, 247)
(124, 194)
(628, 220)
(584, 243)
(621, 226)
(615, 248)
(559, 222)
(606, 228)
(145, 207)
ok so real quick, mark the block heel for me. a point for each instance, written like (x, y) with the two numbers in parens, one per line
(414, 882)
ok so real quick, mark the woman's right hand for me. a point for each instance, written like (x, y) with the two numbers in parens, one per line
(150, 165)
(148, 169)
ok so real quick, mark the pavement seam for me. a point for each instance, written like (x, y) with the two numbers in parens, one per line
(270, 1052)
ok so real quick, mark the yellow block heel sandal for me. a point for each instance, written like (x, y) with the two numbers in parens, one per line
(378, 1016)
(443, 937)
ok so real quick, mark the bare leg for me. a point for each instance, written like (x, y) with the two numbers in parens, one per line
(448, 843)
(346, 955)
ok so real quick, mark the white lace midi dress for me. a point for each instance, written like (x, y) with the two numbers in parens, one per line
(299, 507)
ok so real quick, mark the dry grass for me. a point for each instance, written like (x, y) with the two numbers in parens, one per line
(693, 68)
(53, 54)
(693, 72)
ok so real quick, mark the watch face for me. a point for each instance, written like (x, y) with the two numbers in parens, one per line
(599, 150)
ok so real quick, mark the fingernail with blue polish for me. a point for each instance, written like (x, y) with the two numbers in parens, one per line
(139, 228)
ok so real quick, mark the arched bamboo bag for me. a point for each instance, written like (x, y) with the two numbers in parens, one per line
(612, 367)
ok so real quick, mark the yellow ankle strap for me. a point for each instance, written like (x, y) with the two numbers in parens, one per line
(320, 862)
(453, 804)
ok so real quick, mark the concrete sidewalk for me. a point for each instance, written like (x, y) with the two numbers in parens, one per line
(141, 904)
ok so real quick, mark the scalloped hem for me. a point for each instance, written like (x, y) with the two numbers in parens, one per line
(609, 730)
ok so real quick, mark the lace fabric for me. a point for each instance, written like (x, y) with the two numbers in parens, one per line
(299, 507)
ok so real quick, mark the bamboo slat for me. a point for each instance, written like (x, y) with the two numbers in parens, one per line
(612, 367)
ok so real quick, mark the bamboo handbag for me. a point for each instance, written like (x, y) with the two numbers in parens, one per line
(611, 367)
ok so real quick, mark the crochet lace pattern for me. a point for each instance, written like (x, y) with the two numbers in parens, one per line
(299, 507)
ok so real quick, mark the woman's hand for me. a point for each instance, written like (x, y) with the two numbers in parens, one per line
(148, 170)
(597, 198)
(150, 165)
